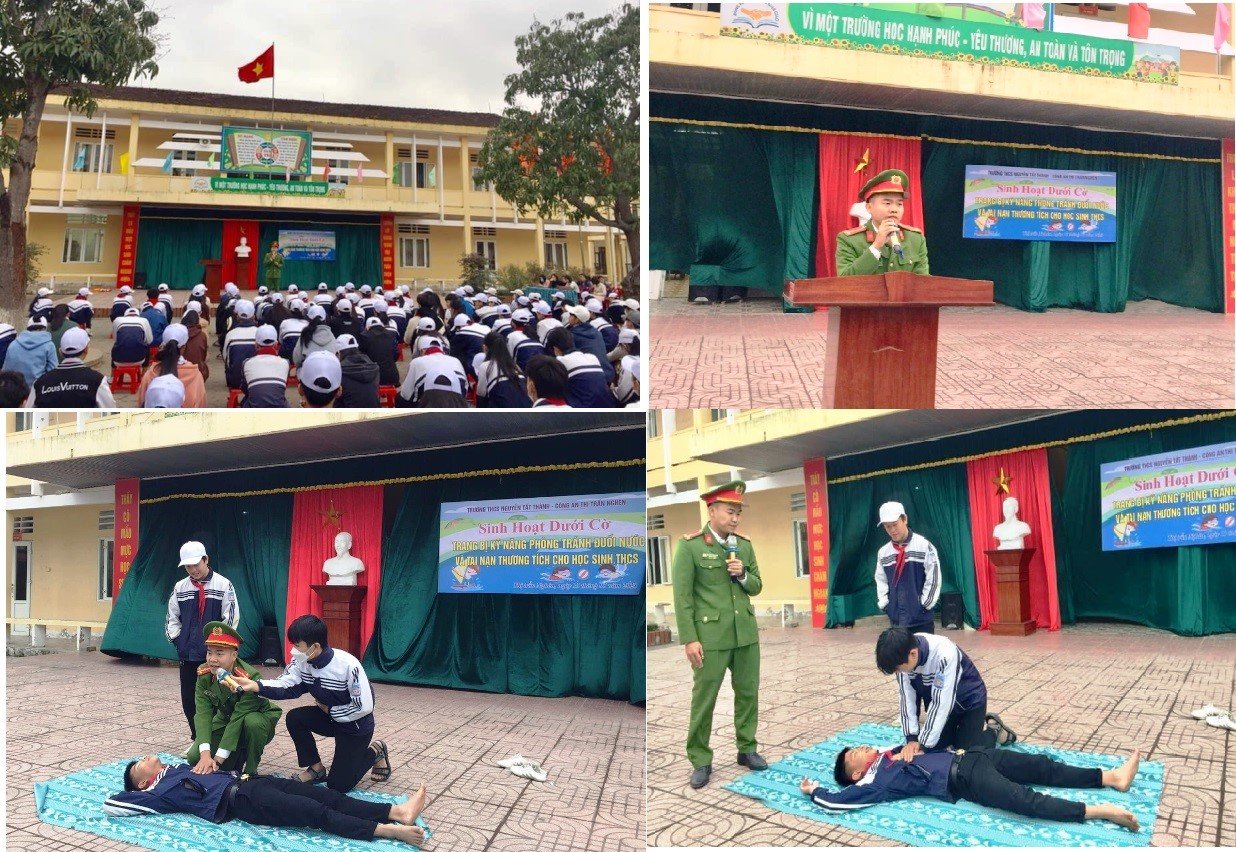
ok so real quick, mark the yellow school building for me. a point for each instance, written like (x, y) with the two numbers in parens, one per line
(136, 194)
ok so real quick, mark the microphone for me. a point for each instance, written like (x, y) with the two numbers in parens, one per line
(894, 240)
(731, 551)
(225, 677)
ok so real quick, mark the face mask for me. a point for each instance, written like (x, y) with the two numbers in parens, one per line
(299, 657)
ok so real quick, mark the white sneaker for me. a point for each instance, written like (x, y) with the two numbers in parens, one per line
(1221, 720)
(514, 760)
(529, 770)
(1208, 711)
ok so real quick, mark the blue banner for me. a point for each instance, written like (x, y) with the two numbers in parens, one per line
(1170, 499)
(307, 245)
(592, 544)
(1015, 203)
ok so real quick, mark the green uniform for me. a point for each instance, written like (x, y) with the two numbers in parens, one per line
(854, 255)
(717, 612)
(240, 724)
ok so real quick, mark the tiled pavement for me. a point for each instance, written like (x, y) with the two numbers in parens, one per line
(1103, 688)
(751, 355)
(70, 711)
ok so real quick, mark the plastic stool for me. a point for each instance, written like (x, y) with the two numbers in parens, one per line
(126, 377)
(386, 395)
(233, 397)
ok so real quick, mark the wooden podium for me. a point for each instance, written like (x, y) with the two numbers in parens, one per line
(214, 277)
(341, 610)
(882, 334)
(1012, 592)
(242, 271)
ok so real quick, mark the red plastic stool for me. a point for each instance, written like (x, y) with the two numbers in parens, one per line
(233, 397)
(386, 395)
(399, 353)
(154, 354)
(126, 377)
(472, 390)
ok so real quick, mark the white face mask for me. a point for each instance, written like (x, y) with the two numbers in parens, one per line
(299, 657)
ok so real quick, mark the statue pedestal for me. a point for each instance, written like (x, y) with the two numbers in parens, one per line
(341, 610)
(1012, 592)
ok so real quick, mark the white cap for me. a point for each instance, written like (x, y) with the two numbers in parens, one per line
(380, 307)
(292, 288)
(630, 363)
(266, 336)
(262, 291)
(232, 288)
(628, 335)
(440, 376)
(426, 324)
(296, 305)
(545, 326)
(131, 312)
(890, 512)
(366, 289)
(493, 300)
(198, 290)
(349, 286)
(425, 341)
(501, 324)
(522, 315)
(345, 341)
(163, 288)
(243, 308)
(176, 331)
(594, 305)
(354, 298)
(166, 392)
(479, 300)
(344, 306)
(504, 310)
(405, 289)
(316, 312)
(44, 291)
(37, 322)
(126, 290)
(276, 297)
(517, 292)
(491, 291)
(374, 322)
(541, 308)
(579, 312)
(320, 371)
(74, 341)
(461, 320)
(523, 301)
(468, 289)
(633, 304)
(84, 292)
(322, 286)
(191, 552)
(535, 297)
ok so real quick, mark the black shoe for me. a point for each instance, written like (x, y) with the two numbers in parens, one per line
(996, 724)
(700, 776)
(752, 760)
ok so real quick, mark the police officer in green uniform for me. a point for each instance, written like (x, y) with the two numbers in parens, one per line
(884, 244)
(231, 726)
(715, 575)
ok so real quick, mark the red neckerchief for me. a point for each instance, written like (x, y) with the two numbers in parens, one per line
(267, 350)
(201, 597)
(901, 558)
(874, 758)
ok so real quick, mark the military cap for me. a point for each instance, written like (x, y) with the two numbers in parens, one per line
(889, 180)
(221, 634)
(730, 492)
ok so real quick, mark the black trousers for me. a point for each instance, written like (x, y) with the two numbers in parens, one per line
(925, 627)
(352, 759)
(188, 690)
(715, 293)
(289, 803)
(967, 729)
(997, 778)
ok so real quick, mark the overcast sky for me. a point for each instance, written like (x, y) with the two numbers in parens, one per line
(451, 55)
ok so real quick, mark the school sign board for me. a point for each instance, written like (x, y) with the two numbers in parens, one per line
(307, 245)
(854, 26)
(265, 151)
(1171, 499)
(591, 544)
(1057, 205)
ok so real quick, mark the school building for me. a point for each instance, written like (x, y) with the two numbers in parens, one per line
(137, 194)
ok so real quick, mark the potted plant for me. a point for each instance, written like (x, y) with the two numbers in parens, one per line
(657, 635)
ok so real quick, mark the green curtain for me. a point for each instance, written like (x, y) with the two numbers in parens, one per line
(357, 255)
(937, 502)
(733, 207)
(1153, 213)
(1187, 590)
(168, 250)
(248, 540)
(546, 645)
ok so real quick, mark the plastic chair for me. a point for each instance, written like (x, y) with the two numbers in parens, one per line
(386, 395)
(126, 377)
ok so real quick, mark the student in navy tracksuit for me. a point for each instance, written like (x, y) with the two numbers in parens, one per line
(867, 776)
(202, 597)
(907, 574)
(344, 708)
(932, 671)
(153, 787)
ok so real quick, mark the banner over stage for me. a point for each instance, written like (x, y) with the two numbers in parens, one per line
(263, 151)
(1057, 205)
(850, 26)
(591, 544)
(1171, 499)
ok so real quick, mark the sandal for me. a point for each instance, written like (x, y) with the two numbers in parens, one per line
(316, 776)
(381, 755)
(1001, 727)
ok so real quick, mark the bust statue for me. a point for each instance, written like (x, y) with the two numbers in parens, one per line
(243, 250)
(1012, 532)
(341, 569)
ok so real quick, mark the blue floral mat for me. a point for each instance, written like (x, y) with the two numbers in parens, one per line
(76, 801)
(931, 822)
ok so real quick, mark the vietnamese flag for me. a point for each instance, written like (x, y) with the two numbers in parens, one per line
(258, 69)
(1139, 20)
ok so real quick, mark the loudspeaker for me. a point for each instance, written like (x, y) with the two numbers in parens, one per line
(952, 611)
(270, 649)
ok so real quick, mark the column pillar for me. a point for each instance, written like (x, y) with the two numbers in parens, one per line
(465, 168)
(390, 165)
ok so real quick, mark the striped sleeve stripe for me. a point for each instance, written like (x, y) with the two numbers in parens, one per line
(112, 807)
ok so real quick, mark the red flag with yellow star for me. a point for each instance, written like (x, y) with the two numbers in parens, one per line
(258, 69)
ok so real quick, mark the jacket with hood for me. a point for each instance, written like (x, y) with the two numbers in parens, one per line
(32, 354)
(360, 381)
(588, 339)
(380, 345)
(196, 348)
(322, 340)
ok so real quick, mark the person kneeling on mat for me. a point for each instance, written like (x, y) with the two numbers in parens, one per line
(995, 778)
(153, 787)
(344, 708)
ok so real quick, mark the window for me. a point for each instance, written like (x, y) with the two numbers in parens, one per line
(414, 251)
(654, 424)
(107, 520)
(487, 249)
(555, 255)
(82, 245)
(658, 561)
(426, 176)
(479, 185)
(656, 522)
(107, 553)
(798, 501)
(802, 550)
(23, 421)
(23, 525)
(86, 156)
(404, 174)
(715, 414)
(184, 157)
(598, 259)
(339, 171)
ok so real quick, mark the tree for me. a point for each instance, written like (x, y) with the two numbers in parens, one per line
(568, 139)
(56, 45)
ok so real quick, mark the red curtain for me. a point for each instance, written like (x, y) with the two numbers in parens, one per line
(1029, 483)
(317, 517)
(840, 154)
(233, 230)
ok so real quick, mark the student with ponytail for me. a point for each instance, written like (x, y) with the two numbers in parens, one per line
(171, 362)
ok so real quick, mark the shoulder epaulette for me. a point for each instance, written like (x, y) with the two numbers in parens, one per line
(854, 231)
(743, 537)
(911, 228)
(690, 536)
(204, 669)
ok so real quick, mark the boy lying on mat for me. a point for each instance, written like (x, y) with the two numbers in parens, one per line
(986, 776)
(152, 787)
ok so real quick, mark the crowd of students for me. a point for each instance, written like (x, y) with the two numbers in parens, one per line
(340, 347)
